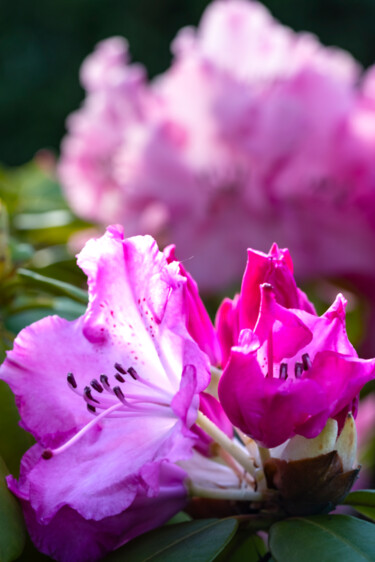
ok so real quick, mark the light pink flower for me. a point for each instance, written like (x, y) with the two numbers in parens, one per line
(110, 399)
(292, 372)
(254, 134)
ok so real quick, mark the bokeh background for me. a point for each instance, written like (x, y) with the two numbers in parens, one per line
(43, 43)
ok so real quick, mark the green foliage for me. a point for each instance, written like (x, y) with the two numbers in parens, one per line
(196, 541)
(363, 501)
(244, 547)
(38, 273)
(323, 537)
(12, 527)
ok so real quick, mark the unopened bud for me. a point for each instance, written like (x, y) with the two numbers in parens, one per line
(301, 448)
(346, 444)
(313, 475)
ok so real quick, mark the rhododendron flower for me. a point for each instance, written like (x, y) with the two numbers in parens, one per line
(254, 134)
(110, 399)
(292, 372)
(199, 323)
(275, 268)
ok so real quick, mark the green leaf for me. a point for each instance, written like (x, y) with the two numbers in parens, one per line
(361, 497)
(14, 441)
(324, 538)
(244, 547)
(195, 541)
(363, 501)
(181, 517)
(12, 527)
(54, 286)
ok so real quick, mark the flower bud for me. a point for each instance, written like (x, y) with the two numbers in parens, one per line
(313, 475)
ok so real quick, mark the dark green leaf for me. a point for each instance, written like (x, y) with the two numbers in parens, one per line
(326, 538)
(361, 497)
(38, 308)
(181, 517)
(363, 501)
(53, 285)
(14, 441)
(244, 547)
(196, 541)
(12, 527)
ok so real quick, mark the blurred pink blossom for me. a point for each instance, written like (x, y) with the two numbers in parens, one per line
(254, 134)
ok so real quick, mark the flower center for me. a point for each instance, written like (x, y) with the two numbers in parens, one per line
(105, 399)
(299, 367)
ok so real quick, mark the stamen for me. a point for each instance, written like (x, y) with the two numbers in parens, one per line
(49, 453)
(119, 377)
(96, 385)
(71, 380)
(88, 396)
(283, 371)
(133, 373)
(120, 395)
(306, 361)
(120, 368)
(298, 369)
(105, 382)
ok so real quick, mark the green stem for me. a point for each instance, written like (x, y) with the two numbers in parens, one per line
(227, 444)
(236, 494)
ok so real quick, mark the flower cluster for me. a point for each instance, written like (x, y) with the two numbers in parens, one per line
(125, 414)
(254, 134)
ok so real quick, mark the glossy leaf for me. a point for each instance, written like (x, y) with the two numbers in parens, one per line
(54, 286)
(14, 441)
(363, 501)
(244, 547)
(195, 541)
(12, 527)
(181, 517)
(323, 537)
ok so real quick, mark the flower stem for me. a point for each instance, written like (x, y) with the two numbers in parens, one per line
(214, 383)
(236, 494)
(223, 440)
(264, 454)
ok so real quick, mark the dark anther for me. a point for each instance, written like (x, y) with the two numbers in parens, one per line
(120, 368)
(120, 395)
(283, 371)
(71, 380)
(306, 361)
(267, 287)
(96, 385)
(88, 395)
(119, 377)
(133, 373)
(298, 368)
(104, 381)
(47, 454)
(91, 408)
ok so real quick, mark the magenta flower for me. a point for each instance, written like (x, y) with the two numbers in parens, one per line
(275, 268)
(292, 372)
(110, 399)
(254, 134)
(198, 323)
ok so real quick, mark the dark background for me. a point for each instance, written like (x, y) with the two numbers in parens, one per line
(43, 42)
